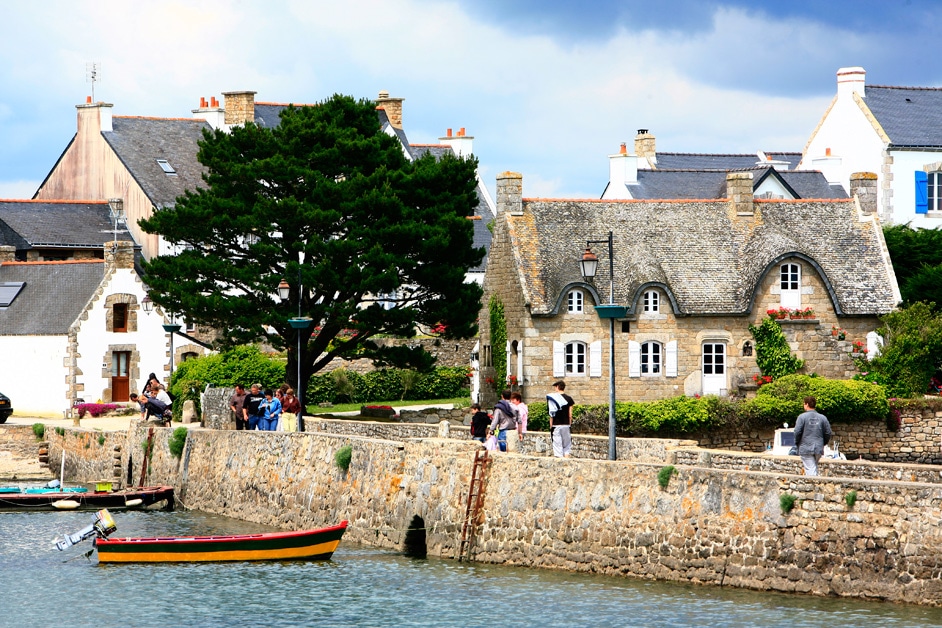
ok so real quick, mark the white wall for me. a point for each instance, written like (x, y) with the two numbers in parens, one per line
(905, 164)
(33, 374)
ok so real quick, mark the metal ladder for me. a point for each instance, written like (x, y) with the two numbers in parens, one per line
(475, 501)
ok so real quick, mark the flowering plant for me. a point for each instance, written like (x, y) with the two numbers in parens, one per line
(378, 407)
(96, 409)
(838, 332)
(858, 347)
(779, 314)
(808, 312)
(512, 380)
(761, 380)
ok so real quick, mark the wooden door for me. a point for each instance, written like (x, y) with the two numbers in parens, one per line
(120, 382)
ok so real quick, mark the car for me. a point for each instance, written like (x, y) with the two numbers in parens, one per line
(6, 408)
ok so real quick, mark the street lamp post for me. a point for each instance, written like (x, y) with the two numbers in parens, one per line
(590, 264)
(299, 324)
(171, 328)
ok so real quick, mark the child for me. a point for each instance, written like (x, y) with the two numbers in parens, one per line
(479, 423)
(516, 399)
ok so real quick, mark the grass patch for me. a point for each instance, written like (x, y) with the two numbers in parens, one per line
(342, 457)
(177, 441)
(786, 502)
(60, 431)
(459, 402)
(101, 439)
(39, 430)
(850, 498)
(664, 475)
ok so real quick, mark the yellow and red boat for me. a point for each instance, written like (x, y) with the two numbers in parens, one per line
(298, 545)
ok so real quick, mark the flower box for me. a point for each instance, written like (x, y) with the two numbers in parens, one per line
(382, 412)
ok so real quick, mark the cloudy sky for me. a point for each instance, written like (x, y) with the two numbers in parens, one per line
(548, 88)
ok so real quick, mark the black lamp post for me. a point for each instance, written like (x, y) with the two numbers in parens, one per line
(147, 304)
(298, 324)
(590, 265)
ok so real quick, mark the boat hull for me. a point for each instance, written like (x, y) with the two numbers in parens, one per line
(117, 500)
(297, 545)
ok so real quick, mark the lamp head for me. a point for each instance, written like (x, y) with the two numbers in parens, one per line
(283, 290)
(589, 263)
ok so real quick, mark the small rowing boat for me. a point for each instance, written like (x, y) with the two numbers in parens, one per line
(82, 499)
(297, 545)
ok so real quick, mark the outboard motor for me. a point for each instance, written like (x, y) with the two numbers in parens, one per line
(101, 528)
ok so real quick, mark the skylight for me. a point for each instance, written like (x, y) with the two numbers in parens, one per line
(165, 166)
(9, 291)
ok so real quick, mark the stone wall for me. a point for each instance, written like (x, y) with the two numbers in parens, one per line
(216, 412)
(19, 440)
(90, 455)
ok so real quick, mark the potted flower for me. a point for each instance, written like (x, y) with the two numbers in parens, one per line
(779, 314)
(838, 332)
(859, 348)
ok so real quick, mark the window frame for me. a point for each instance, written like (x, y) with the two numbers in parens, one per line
(790, 295)
(575, 302)
(651, 302)
(575, 358)
(652, 359)
(115, 327)
(934, 191)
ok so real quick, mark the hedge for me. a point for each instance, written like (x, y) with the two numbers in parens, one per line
(446, 382)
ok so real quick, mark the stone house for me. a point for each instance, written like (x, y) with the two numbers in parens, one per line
(895, 132)
(692, 276)
(75, 329)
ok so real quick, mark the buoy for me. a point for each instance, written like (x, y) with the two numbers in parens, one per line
(65, 504)
(133, 503)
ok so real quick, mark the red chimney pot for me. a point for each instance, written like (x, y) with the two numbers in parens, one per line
(88, 100)
(623, 150)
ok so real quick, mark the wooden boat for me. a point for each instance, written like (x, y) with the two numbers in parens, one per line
(298, 545)
(68, 499)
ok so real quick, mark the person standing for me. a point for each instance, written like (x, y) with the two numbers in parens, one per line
(812, 433)
(523, 413)
(272, 409)
(252, 409)
(291, 407)
(235, 404)
(479, 423)
(504, 419)
(560, 407)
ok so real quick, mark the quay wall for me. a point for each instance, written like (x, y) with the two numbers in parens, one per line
(710, 525)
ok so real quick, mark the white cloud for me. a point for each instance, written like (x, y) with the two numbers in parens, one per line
(18, 189)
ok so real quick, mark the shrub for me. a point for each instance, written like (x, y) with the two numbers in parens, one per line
(773, 355)
(39, 430)
(842, 401)
(664, 475)
(60, 431)
(342, 458)
(101, 440)
(912, 350)
(538, 419)
(97, 409)
(241, 365)
(445, 382)
(786, 502)
(850, 498)
(177, 441)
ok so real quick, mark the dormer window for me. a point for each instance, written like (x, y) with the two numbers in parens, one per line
(790, 286)
(576, 302)
(166, 167)
(651, 302)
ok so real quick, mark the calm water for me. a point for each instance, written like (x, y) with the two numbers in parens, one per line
(362, 587)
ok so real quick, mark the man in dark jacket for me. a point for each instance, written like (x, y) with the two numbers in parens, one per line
(812, 433)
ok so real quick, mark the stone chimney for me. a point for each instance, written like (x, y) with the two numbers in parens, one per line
(739, 192)
(7, 254)
(94, 117)
(850, 80)
(622, 171)
(212, 112)
(239, 107)
(510, 193)
(459, 142)
(119, 254)
(645, 147)
(393, 107)
(863, 185)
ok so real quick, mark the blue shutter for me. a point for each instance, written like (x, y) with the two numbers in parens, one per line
(922, 194)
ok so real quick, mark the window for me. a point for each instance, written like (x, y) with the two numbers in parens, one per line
(650, 358)
(934, 191)
(714, 358)
(120, 318)
(575, 358)
(575, 301)
(790, 284)
(166, 167)
(651, 302)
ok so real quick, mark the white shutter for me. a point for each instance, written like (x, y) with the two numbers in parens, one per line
(634, 359)
(670, 360)
(559, 359)
(595, 359)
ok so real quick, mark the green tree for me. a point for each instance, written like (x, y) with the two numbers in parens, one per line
(912, 349)
(917, 261)
(368, 241)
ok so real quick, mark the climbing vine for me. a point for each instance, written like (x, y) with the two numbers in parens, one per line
(773, 355)
(498, 339)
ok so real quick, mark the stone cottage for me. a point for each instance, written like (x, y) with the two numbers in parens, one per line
(692, 276)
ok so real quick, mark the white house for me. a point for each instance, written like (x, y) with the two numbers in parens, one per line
(895, 132)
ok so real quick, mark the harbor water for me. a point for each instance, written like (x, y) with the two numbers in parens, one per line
(363, 586)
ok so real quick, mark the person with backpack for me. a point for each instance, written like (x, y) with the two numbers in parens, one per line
(504, 419)
(560, 407)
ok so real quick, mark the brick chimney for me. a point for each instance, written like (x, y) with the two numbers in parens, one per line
(510, 193)
(850, 80)
(739, 192)
(460, 142)
(645, 147)
(393, 107)
(212, 112)
(7, 254)
(239, 107)
(863, 185)
(119, 254)
(622, 171)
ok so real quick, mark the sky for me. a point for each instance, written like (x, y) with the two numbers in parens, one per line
(547, 88)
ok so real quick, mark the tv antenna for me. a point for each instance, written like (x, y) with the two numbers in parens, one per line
(92, 75)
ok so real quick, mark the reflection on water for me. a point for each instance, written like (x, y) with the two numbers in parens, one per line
(363, 587)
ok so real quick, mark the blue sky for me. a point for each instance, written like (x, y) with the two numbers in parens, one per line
(546, 88)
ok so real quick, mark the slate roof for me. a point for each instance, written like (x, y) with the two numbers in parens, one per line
(35, 312)
(711, 263)
(711, 184)
(911, 116)
(719, 161)
(268, 114)
(139, 142)
(67, 224)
